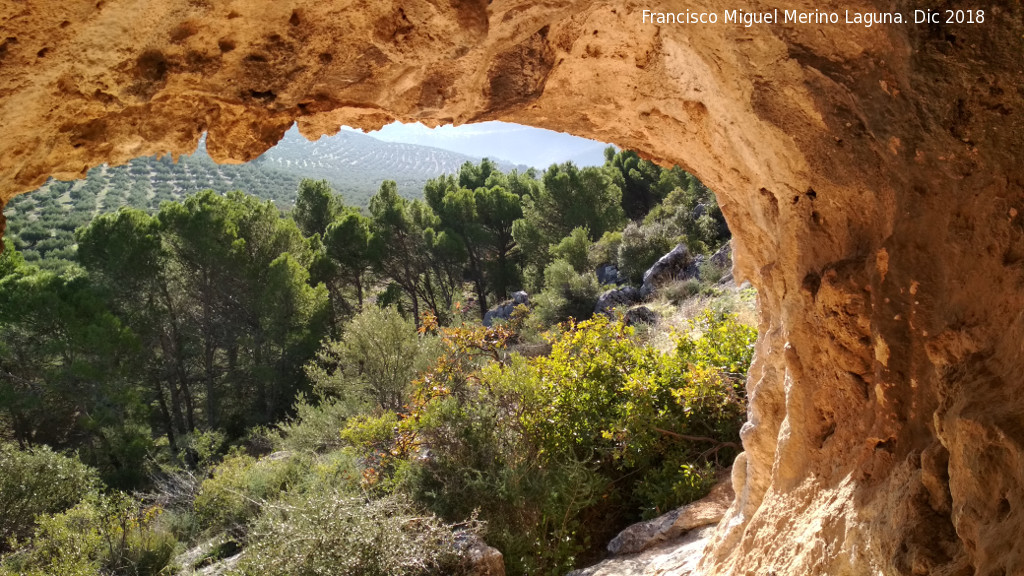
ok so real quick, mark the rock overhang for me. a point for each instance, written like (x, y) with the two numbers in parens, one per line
(871, 176)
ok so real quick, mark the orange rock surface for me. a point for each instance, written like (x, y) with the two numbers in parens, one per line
(872, 177)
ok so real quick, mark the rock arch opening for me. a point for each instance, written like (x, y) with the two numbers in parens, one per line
(871, 177)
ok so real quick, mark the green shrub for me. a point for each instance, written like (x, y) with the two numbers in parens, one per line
(241, 485)
(378, 443)
(38, 482)
(673, 483)
(340, 470)
(485, 457)
(680, 290)
(605, 250)
(704, 230)
(574, 249)
(567, 294)
(560, 452)
(208, 447)
(642, 246)
(116, 535)
(332, 534)
(711, 273)
(373, 363)
(315, 428)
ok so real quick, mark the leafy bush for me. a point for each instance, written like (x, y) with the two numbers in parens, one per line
(693, 212)
(710, 273)
(378, 355)
(38, 482)
(574, 249)
(567, 294)
(605, 250)
(241, 485)
(641, 247)
(485, 457)
(331, 534)
(116, 535)
(559, 452)
(315, 428)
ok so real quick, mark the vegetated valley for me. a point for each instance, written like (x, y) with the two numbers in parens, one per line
(42, 224)
(270, 377)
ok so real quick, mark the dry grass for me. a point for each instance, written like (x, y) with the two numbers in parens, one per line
(673, 318)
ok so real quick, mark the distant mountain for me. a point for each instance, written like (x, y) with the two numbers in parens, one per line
(520, 144)
(41, 224)
(357, 163)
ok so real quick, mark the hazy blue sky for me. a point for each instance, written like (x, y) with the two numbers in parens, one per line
(512, 142)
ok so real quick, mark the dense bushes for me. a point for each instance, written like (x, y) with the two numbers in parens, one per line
(115, 535)
(329, 533)
(315, 426)
(567, 294)
(36, 483)
(185, 336)
(641, 246)
(558, 452)
(239, 487)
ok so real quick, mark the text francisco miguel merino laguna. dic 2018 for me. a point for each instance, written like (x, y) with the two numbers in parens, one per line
(777, 16)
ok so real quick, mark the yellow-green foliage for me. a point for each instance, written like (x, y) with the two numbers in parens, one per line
(559, 452)
(336, 534)
(37, 482)
(116, 535)
(608, 396)
(240, 485)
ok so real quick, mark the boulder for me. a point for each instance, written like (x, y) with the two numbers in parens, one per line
(723, 256)
(640, 315)
(504, 310)
(484, 560)
(706, 511)
(676, 558)
(678, 264)
(609, 274)
(521, 297)
(615, 298)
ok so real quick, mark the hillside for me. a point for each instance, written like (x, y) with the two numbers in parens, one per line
(42, 224)
(356, 163)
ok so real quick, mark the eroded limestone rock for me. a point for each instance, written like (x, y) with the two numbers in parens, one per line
(504, 310)
(678, 264)
(871, 177)
(670, 526)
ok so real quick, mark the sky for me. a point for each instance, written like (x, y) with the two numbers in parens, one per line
(511, 142)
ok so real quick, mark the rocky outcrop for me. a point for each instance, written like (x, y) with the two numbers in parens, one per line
(616, 298)
(504, 310)
(609, 274)
(482, 559)
(722, 259)
(676, 558)
(871, 177)
(704, 512)
(678, 264)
